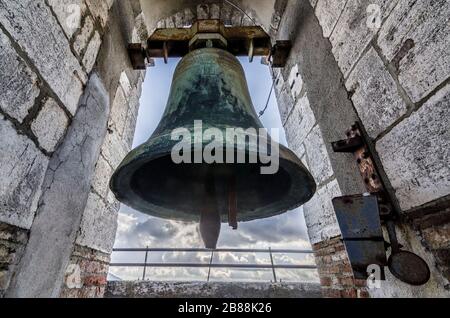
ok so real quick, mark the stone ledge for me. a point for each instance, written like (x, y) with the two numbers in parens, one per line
(148, 289)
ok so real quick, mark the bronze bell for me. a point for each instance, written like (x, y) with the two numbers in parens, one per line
(209, 85)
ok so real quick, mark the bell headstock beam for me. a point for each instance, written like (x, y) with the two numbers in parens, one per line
(248, 41)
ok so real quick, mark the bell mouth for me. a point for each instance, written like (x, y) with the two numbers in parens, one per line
(159, 187)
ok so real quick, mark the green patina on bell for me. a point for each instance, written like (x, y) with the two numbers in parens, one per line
(209, 85)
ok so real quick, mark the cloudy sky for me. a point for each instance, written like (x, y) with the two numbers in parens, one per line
(287, 231)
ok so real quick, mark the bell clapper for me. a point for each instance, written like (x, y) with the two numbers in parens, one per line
(210, 220)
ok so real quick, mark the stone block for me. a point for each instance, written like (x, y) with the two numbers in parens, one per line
(114, 149)
(170, 22)
(119, 112)
(203, 11)
(125, 83)
(69, 14)
(50, 125)
(100, 10)
(21, 176)
(140, 33)
(12, 244)
(319, 214)
(319, 161)
(225, 14)
(424, 62)
(103, 173)
(328, 13)
(19, 85)
(299, 124)
(355, 29)
(10, 233)
(130, 128)
(375, 94)
(38, 33)
(98, 225)
(91, 53)
(416, 153)
(82, 39)
(214, 11)
(295, 82)
(113, 203)
(438, 237)
(285, 103)
(236, 18)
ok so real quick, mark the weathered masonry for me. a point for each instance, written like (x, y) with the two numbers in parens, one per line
(69, 99)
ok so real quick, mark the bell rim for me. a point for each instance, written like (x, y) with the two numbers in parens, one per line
(121, 179)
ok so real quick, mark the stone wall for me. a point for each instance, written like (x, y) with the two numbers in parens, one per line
(382, 63)
(68, 108)
(89, 261)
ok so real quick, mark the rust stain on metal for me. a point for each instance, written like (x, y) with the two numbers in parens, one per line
(356, 144)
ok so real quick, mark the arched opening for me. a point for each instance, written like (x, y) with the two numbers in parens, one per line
(69, 104)
(136, 230)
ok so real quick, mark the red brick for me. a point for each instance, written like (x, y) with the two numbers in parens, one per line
(334, 269)
(95, 280)
(363, 294)
(347, 282)
(331, 293)
(360, 283)
(348, 293)
(345, 267)
(326, 281)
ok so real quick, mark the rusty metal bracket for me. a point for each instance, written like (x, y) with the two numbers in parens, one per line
(357, 144)
(360, 217)
(137, 56)
(280, 53)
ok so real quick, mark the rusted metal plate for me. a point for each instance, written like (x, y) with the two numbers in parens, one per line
(356, 144)
(137, 56)
(280, 53)
(359, 221)
(360, 218)
(409, 268)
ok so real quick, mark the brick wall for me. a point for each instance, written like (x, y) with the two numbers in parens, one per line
(335, 271)
(86, 275)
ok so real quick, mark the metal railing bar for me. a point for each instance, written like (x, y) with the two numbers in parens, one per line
(235, 250)
(145, 267)
(210, 263)
(263, 266)
(273, 266)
